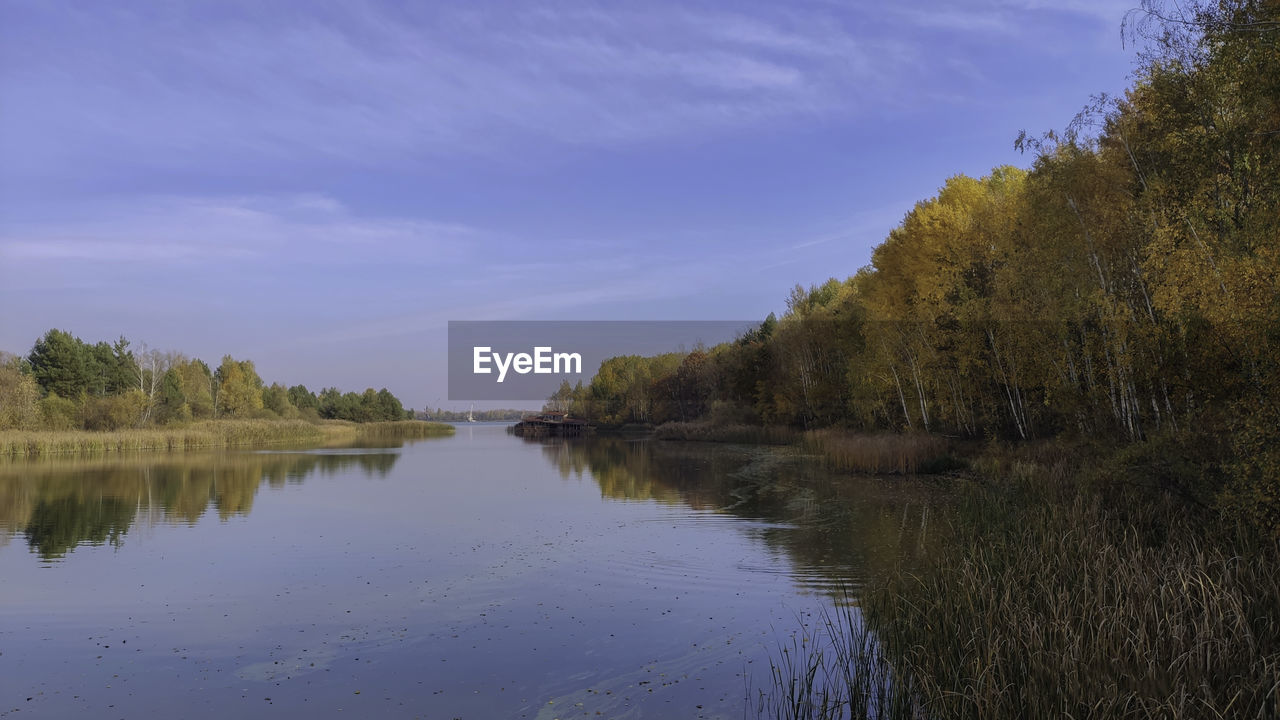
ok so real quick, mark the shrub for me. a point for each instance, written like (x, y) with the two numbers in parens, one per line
(710, 432)
(59, 413)
(114, 412)
(19, 400)
(882, 453)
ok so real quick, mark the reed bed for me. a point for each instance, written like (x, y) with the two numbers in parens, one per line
(207, 434)
(834, 667)
(406, 429)
(712, 432)
(344, 431)
(1057, 609)
(200, 435)
(881, 453)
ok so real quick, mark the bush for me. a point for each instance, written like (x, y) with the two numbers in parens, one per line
(725, 412)
(882, 453)
(19, 400)
(114, 412)
(1252, 493)
(59, 413)
(710, 432)
(180, 416)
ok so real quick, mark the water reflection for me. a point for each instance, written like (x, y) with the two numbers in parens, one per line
(837, 530)
(59, 504)
(472, 576)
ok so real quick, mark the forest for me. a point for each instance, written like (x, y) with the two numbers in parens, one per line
(1125, 286)
(65, 383)
(1085, 353)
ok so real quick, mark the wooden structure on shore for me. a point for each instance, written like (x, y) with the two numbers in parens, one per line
(556, 424)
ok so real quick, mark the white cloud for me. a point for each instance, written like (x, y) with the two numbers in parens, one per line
(360, 83)
(169, 230)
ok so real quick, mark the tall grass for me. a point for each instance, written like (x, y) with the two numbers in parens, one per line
(1086, 605)
(712, 432)
(881, 453)
(835, 667)
(406, 429)
(345, 431)
(844, 450)
(206, 434)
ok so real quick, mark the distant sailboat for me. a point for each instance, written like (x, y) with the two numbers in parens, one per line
(471, 414)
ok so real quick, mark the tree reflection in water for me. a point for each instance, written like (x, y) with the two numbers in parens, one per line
(839, 529)
(59, 504)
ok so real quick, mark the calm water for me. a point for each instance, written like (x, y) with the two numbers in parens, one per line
(479, 576)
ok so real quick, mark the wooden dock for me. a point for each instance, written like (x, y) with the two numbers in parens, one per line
(554, 424)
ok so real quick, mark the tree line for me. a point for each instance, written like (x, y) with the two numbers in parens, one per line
(65, 383)
(1126, 285)
(453, 416)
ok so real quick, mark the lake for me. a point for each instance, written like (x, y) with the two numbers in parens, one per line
(475, 576)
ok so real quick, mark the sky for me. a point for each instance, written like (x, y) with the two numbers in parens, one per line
(321, 186)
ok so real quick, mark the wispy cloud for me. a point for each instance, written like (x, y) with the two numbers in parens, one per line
(224, 85)
(531, 299)
(375, 84)
(178, 231)
(1004, 17)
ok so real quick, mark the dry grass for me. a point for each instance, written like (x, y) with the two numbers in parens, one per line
(1085, 607)
(207, 434)
(406, 429)
(830, 668)
(1074, 614)
(880, 453)
(712, 432)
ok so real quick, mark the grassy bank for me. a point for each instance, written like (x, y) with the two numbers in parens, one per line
(715, 432)
(1061, 593)
(344, 431)
(207, 435)
(882, 453)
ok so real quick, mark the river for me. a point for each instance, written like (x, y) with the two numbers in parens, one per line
(477, 576)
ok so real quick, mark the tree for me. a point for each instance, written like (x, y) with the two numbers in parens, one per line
(276, 399)
(239, 388)
(171, 403)
(197, 384)
(560, 399)
(19, 399)
(302, 398)
(388, 406)
(59, 364)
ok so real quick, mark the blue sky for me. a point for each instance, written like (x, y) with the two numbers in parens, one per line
(320, 186)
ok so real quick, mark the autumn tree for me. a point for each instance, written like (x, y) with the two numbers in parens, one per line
(239, 389)
(19, 398)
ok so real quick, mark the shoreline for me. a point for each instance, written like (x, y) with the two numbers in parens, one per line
(206, 435)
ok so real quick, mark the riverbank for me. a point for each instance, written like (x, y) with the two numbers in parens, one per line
(1072, 582)
(209, 434)
(1075, 578)
(727, 433)
(880, 453)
